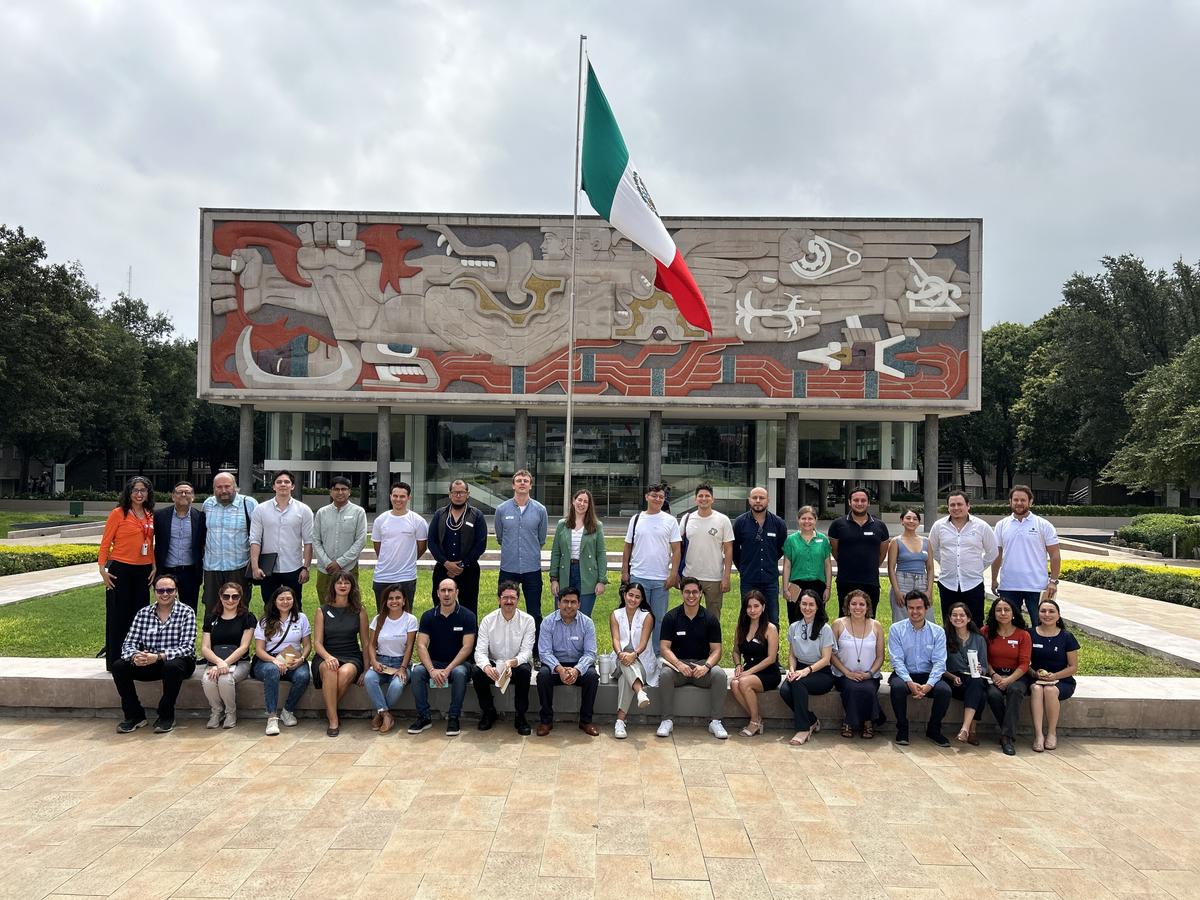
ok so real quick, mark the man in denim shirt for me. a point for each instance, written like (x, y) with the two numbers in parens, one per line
(521, 525)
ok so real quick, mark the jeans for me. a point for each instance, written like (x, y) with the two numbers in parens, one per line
(1031, 599)
(531, 590)
(171, 673)
(459, 676)
(587, 602)
(268, 673)
(770, 590)
(911, 581)
(384, 690)
(658, 597)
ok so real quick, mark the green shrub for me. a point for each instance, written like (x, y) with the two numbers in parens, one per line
(1050, 510)
(16, 560)
(1155, 530)
(1163, 586)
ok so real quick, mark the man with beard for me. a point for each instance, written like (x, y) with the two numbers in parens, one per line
(758, 538)
(226, 540)
(457, 538)
(859, 543)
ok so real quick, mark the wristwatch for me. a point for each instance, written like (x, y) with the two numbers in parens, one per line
(1054, 581)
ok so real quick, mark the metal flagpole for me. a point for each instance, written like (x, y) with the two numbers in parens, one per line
(571, 294)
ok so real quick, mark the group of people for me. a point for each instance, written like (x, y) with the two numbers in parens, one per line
(218, 552)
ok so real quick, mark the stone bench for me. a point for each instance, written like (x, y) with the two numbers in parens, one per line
(1101, 705)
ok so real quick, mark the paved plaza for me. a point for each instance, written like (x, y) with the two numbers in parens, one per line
(86, 812)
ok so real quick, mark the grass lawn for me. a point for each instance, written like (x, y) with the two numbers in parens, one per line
(72, 624)
(8, 519)
(612, 543)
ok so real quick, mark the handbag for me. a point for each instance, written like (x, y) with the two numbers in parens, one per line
(266, 562)
(224, 650)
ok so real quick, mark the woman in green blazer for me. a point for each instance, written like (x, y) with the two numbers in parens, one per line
(577, 556)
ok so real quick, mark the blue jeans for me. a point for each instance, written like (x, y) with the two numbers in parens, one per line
(459, 676)
(770, 590)
(384, 690)
(658, 597)
(269, 675)
(587, 602)
(1031, 599)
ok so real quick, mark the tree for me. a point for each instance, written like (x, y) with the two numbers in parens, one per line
(1163, 442)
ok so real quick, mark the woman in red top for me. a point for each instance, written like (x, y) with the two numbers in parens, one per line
(1008, 648)
(126, 562)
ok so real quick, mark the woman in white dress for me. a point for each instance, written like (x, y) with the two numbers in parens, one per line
(631, 625)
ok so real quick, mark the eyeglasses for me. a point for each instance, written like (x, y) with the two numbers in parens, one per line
(162, 592)
(231, 596)
(139, 490)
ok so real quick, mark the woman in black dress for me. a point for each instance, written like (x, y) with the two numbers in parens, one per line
(341, 633)
(755, 659)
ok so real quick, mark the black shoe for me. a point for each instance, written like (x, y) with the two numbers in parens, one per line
(164, 726)
(129, 726)
(452, 728)
(488, 719)
(523, 727)
(902, 737)
(938, 738)
(420, 725)
(1007, 746)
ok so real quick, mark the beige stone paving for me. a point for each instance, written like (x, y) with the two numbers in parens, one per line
(87, 812)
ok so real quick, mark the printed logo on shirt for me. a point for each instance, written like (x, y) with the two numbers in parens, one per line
(713, 532)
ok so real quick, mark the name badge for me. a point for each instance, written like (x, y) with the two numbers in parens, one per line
(329, 612)
(681, 634)
(510, 518)
(1039, 646)
(770, 534)
(868, 534)
(1013, 643)
(457, 628)
(575, 637)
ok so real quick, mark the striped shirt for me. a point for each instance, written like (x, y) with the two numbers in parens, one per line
(227, 544)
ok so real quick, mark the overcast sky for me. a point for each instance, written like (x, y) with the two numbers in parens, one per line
(1070, 128)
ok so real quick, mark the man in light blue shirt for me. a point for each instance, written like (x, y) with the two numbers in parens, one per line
(918, 648)
(226, 539)
(521, 525)
(567, 649)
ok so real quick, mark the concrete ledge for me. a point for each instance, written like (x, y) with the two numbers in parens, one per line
(1101, 705)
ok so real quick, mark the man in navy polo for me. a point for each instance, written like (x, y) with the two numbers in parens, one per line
(445, 643)
(859, 544)
(758, 537)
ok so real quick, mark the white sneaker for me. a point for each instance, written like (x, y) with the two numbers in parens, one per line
(665, 727)
(288, 718)
(619, 730)
(230, 718)
(273, 725)
(643, 699)
(214, 720)
(718, 730)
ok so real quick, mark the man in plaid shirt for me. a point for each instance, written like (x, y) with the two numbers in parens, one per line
(160, 646)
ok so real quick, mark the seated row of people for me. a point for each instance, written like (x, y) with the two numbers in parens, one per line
(999, 666)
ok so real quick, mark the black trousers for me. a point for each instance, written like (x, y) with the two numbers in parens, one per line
(796, 693)
(276, 580)
(171, 673)
(1006, 704)
(972, 692)
(121, 603)
(547, 681)
(973, 598)
(519, 685)
(468, 585)
(845, 587)
(940, 698)
(187, 582)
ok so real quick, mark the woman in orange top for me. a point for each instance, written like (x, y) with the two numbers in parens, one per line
(126, 562)
(1008, 648)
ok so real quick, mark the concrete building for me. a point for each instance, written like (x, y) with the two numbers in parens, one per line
(430, 346)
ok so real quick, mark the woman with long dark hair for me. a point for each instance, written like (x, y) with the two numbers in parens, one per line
(282, 641)
(858, 646)
(630, 627)
(755, 659)
(389, 651)
(966, 668)
(340, 635)
(1008, 649)
(126, 562)
(228, 635)
(1053, 659)
(578, 557)
(810, 650)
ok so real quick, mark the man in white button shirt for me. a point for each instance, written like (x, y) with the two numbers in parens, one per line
(505, 641)
(282, 527)
(963, 546)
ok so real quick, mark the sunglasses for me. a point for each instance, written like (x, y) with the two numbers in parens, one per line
(164, 591)
(231, 596)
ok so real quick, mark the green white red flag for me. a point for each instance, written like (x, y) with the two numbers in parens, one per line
(618, 193)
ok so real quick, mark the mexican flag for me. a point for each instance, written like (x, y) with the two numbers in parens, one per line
(616, 191)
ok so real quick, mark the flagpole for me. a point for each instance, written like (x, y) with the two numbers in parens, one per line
(570, 427)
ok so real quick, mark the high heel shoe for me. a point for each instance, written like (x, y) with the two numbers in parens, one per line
(752, 728)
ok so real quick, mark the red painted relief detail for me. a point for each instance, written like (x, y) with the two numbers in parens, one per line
(698, 369)
(946, 382)
(230, 236)
(385, 240)
(476, 368)
(765, 373)
(839, 385)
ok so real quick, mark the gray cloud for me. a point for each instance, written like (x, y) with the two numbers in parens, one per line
(1065, 126)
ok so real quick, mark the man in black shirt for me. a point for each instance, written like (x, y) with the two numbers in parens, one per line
(691, 654)
(457, 538)
(758, 537)
(859, 544)
(445, 645)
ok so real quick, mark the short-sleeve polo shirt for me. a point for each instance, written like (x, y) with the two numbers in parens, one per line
(858, 548)
(446, 633)
(690, 637)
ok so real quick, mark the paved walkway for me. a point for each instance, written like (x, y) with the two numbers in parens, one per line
(223, 814)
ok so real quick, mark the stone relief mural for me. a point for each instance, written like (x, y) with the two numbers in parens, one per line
(869, 312)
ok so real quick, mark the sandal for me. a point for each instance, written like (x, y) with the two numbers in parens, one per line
(973, 739)
(800, 738)
(376, 721)
(848, 732)
(964, 735)
(752, 728)
(1052, 742)
(816, 726)
(868, 731)
(1038, 745)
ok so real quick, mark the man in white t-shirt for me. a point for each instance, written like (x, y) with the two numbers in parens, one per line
(1026, 543)
(400, 537)
(708, 548)
(651, 556)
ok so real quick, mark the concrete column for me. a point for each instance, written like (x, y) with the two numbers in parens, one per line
(383, 459)
(930, 468)
(654, 448)
(246, 449)
(885, 461)
(520, 433)
(791, 469)
(414, 452)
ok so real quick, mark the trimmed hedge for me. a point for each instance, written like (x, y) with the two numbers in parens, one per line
(16, 560)
(1141, 582)
(1155, 530)
(1049, 510)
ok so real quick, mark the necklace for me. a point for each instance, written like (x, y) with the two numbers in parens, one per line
(858, 644)
(451, 523)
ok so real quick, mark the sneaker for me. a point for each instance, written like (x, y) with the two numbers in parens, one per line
(452, 728)
(938, 738)
(619, 731)
(902, 737)
(643, 699)
(288, 718)
(718, 730)
(665, 727)
(420, 725)
(230, 719)
(164, 726)
(214, 720)
(129, 726)
(273, 726)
